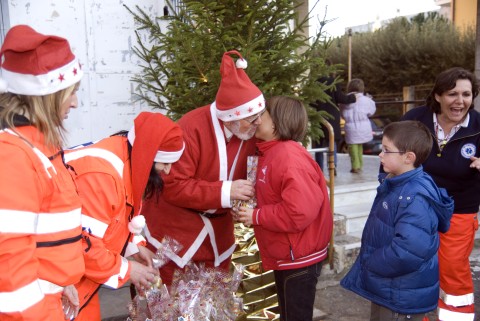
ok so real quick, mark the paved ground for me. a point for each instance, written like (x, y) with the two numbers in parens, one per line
(333, 303)
(338, 304)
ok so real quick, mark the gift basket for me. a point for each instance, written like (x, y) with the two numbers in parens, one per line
(197, 293)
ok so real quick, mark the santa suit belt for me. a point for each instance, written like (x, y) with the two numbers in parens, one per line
(211, 215)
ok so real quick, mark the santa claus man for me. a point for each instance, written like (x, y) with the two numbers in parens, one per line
(194, 208)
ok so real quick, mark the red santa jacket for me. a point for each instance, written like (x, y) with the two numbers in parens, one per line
(40, 231)
(104, 184)
(200, 181)
(293, 224)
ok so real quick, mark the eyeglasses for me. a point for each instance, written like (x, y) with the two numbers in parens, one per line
(254, 118)
(389, 152)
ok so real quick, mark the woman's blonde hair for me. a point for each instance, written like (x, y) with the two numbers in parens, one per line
(43, 112)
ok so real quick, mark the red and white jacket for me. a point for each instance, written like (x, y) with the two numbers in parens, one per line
(293, 221)
(40, 229)
(200, 181)
(103, 177)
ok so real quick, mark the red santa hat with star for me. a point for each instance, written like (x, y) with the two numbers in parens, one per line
(36, 64)
(237, 96)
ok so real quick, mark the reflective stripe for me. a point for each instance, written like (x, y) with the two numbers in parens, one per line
(47, 164)
(110, 157)
(49, 287)
(94, 226)
(113, 280)
(457, 300)
(12, 221)
(58, 222)
(44, 159)
(21, 299)
(447, 315)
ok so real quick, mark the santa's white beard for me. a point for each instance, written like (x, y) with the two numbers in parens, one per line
(235, 129)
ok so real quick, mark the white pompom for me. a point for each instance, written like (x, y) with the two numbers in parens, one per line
(3, 86)
(137, 224)
(241, 63)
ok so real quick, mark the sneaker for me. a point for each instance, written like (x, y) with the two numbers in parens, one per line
(355, 171)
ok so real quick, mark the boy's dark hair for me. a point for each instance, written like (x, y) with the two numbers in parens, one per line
(356, 85)
(289, 117)
(447, 80)
(410, 136)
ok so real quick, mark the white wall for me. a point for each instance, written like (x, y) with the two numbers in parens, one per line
(101, 34)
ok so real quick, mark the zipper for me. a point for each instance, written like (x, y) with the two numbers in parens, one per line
(440, 150)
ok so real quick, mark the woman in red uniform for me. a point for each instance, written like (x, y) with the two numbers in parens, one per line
(40, 225)
(112, 176)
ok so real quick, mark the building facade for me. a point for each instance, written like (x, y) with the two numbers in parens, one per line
(102, 35)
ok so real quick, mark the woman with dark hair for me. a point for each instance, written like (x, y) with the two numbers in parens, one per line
(113, 175)
(454, 164)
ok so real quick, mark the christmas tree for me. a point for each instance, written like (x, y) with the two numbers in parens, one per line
(180, 62)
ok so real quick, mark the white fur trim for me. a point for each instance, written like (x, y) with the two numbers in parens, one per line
(131, 249)
(3, 86)
(161, 156)
(44, 84)
(137, 224)
(245, 110)
(131, 135)
(241, 63)
(168, 157)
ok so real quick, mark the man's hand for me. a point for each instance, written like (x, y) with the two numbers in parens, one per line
(70, 302)
(242, 190)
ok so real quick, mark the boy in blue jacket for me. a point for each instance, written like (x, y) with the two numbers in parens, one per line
(397, 268)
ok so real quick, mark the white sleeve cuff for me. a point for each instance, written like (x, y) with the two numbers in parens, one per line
(113, 282)
(226, 190)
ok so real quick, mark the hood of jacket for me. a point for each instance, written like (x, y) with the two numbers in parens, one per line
(418, 182)
(18, 120)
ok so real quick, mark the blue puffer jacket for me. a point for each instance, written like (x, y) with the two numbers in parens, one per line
(398, 266)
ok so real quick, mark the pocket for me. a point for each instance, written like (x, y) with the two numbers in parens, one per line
(475, 223)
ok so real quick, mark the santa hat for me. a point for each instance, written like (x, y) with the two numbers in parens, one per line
(237, 96)
(154, 138)
(36, 64)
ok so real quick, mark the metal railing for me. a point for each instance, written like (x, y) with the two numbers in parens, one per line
(405, 104)
(331, 180)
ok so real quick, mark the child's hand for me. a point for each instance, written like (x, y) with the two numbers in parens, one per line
(234, 213)
(244, 215)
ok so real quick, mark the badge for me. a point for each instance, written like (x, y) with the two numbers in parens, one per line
(468, 150)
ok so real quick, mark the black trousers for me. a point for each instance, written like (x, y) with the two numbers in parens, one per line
(296, 292)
